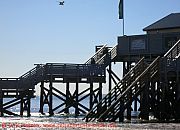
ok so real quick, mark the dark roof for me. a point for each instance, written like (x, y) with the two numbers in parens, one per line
(169, 22)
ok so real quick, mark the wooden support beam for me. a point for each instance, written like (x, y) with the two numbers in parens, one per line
(113, 74)
(50, 98)
(145, 99)
(100, 91)
(76, 98)
(28, 106)
(10, 113)
(100, 98)
(136, 104)
(21, 106)
(91, 96)
(59, 106)
(67, 98)
(41, 97)
(121, 113)
(129, 105)
(110, 83)
(1, 103)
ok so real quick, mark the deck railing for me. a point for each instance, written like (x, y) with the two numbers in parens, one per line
(74, 70)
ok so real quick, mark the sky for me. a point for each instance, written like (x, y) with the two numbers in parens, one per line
(41, 31)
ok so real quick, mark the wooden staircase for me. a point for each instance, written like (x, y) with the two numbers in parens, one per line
(105, 105)
(113, 105)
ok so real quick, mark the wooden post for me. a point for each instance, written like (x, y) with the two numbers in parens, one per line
(76, 104)
(110, 83)
(100, 97)
(100, 91)
(129, 105)
(42, 97)
(21, 106)
(28, 106)
(91, 96)
(67, 98)
(121, 113)
(135, 104)
(50, 98)
(145, 99)
(1, 102)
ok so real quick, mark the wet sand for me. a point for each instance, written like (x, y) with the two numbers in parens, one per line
(58, 123)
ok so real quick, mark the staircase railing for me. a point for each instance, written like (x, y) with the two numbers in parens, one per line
(106, 59)
(174, 52)
(112, 113)
(113, 52)
(34, 75)
(169, 61)
(117, 90)
(97, 55)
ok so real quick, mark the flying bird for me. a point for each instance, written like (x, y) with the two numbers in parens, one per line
(61, 2)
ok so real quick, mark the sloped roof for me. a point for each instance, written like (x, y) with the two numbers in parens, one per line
(169, 22)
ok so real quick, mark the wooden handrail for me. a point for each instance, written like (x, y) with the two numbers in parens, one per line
(96, 54)
(175, 48)
(113, 92)
(124, 94)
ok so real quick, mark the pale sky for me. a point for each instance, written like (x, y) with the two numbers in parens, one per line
(41, 31)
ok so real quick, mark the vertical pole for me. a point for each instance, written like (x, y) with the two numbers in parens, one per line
(100, 91)
(110, 83)
(42, 97)
(50, 98)
(91, 96)
(121, 113)
(67, 98)
(76, 108)
(177, 98)
(1, 102)
(158, 94)
(21, 105)
(153, 96)
(145, 99)
(123, 27)
(100, 97)
(129, 105)
(126, 69)
(164, 87)
(123, 18)
(135, 104)
(28, 106)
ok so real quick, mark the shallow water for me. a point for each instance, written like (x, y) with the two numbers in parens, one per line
(59, 123)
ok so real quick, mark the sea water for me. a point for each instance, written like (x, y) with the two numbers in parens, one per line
(64, 122)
